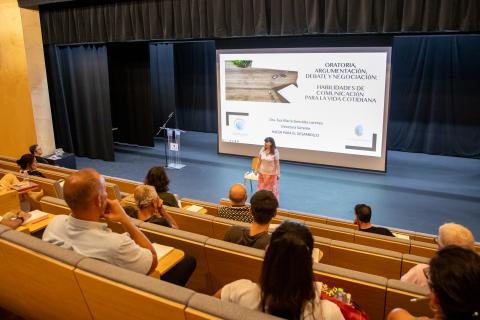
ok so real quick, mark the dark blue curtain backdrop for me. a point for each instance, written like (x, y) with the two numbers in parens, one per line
(435, 95)
(133, 20)
(183, 81)
(434, 98)
(80, 99)
(129, 74)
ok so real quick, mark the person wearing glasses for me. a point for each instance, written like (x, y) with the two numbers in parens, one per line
(448, 234)
(453, 277)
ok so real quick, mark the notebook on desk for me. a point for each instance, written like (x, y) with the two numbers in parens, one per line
(161, 250)
(35, 216)
(23, 185)
(194, 208)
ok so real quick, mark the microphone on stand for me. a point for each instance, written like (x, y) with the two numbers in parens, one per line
(165, 124)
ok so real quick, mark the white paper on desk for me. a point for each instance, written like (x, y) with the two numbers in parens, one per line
(35, 216)
(401, 236)
(194, 208)
(161, 250)
(21, 185)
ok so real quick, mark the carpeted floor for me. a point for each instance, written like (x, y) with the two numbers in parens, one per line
(418, 192)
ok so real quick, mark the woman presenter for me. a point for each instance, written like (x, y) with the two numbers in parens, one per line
(269, 167)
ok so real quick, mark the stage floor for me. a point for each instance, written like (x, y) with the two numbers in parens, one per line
(418, 192)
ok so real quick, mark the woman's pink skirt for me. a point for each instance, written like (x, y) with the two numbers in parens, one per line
(268, 182)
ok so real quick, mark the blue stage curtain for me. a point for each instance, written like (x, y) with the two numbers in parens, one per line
(115, 21)
(80, 99)
(129, 73)
(435, 95)
(195, 82)
(183, 81)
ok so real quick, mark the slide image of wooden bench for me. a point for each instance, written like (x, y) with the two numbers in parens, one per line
(244, 83)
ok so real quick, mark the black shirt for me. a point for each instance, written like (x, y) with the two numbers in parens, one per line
(379, 230)
(241, 235)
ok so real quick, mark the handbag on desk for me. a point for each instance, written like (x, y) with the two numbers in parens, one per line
(349, 312)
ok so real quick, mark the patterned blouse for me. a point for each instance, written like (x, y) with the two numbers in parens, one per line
(235, 213)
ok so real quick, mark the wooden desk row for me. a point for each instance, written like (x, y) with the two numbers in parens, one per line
(128, 186)
(219, 262)
(50, 184)
(43, 281)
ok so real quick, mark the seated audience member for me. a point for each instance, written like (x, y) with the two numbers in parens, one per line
(33, 196)
(448, 234)
(151, 210)
(150, 207)
(157, 177)
(84, 231)
(363, 214)
(36, 150)
(454, 281)
(14, 219)
(7, 181)
(237, 210)
(286, 288)
(28, 165)
(263, 207)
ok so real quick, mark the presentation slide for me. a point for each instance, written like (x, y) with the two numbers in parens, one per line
(321, 105)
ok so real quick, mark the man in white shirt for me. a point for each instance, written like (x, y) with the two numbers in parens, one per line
(85, 232)
(448, 234)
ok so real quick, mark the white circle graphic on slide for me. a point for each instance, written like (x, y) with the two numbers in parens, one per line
(359, 130)
(239, 124)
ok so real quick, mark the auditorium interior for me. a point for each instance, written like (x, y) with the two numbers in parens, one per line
(99, 79)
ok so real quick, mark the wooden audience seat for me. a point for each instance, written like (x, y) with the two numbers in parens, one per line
(388, 263)
(190, 243)
(203, 307)
(367, 290)
(381, 262)
(383, 242)
(9, 200)
(342, 223)
(54, 205)
(112, 189)
(38, 280)
(399, 294)
(324, 244)
(409, 261)
(192, 221)
(212, 208)
(424, 237)
(221, 226)
(332, 232)
(50, 187)
(112, 292)
(228, 262)
(302, 216)
(43, 281)
(423, 249)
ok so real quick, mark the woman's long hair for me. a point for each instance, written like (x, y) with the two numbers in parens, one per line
(158, 178)
(454, 278)
(286, 280)
(273, 145)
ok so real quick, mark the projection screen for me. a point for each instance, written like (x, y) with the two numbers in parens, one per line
(325, 106)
